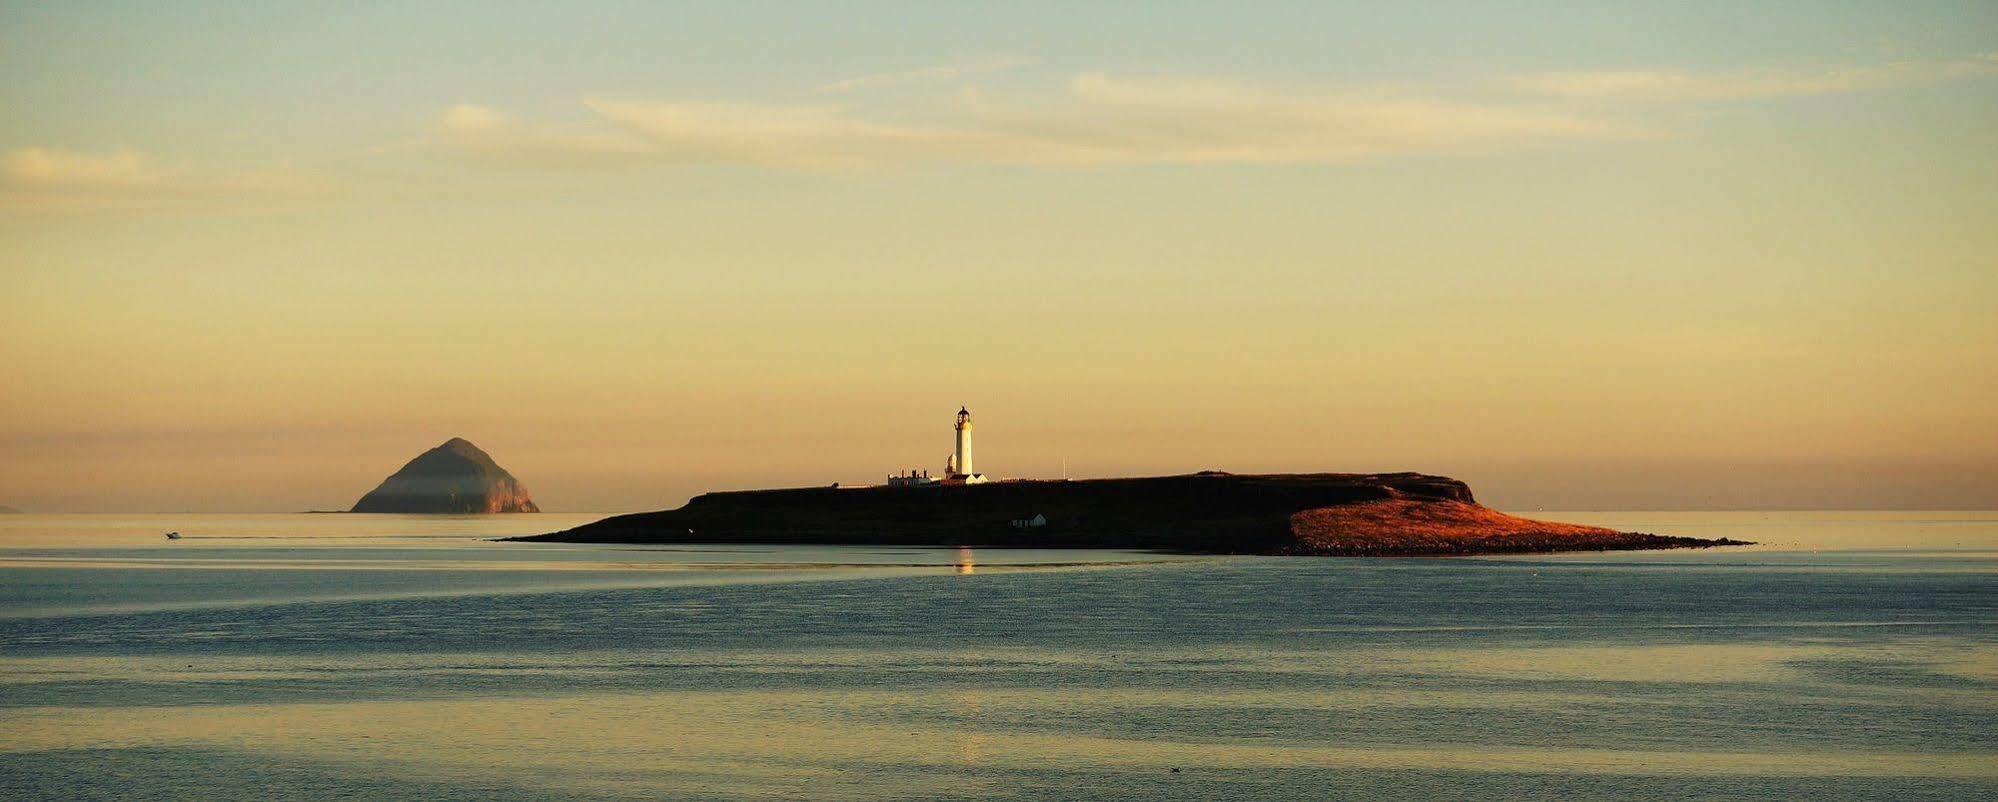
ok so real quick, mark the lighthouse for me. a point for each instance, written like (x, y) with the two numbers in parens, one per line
(957, 467)
(962, 460)
(958, 470)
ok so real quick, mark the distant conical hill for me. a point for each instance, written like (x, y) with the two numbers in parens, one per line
(455, 478)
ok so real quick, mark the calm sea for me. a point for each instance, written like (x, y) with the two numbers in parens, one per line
(1852, 655)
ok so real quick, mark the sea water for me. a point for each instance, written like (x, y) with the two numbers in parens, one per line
(1850, 655)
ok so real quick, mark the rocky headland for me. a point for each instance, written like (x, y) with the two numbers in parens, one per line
(456, 478)
(1392, 514)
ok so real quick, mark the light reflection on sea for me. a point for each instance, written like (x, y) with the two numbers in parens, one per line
(1853, 655)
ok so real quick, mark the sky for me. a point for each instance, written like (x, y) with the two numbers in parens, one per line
(1587, 255)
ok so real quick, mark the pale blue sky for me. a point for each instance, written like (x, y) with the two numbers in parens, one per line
(311, 80)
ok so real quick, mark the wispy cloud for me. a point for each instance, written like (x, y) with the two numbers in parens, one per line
(489, 133)
(787, 136)
(51, 168)
(932, 74)
(1112, 120)
(55, 179)
(1676, 85)
(1097, 119)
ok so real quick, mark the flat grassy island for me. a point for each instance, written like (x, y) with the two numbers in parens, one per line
(1338, 514)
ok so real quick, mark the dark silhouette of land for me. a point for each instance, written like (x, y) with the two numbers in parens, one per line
(1210, 512)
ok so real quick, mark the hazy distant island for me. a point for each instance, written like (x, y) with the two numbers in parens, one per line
(6, 510)
(1393, 514)
(456, 478)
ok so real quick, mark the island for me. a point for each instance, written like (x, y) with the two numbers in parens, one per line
(456, 478)
(1327, 514)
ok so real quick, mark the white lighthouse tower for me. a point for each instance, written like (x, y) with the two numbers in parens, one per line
(963, 461)
(959, 468)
